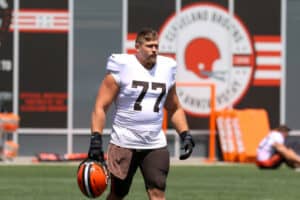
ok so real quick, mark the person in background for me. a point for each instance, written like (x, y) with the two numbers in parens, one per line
(272, 150)
(140, 86)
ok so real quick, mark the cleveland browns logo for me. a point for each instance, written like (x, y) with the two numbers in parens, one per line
(200, 55)
(211, 47)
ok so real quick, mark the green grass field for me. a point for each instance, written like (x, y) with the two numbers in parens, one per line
(237, 182)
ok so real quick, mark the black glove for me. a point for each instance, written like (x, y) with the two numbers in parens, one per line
(95, 151)
(187, 145)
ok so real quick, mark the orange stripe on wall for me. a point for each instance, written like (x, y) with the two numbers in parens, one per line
(268, 53)
(131, 36)
(131, 51)
(266, 38)
(171, 55)
(261, 82)
(268, 67)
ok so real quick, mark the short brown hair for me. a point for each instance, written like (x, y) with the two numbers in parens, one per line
(146, 34)
(283, 128)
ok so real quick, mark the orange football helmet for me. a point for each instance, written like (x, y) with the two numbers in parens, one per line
(92, 178)
(200, 55)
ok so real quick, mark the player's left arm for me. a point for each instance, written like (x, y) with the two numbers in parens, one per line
(175, 111)
(287, 153)
(178, 119)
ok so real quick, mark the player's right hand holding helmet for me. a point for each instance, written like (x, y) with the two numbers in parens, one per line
(92, 173)
(95, 150)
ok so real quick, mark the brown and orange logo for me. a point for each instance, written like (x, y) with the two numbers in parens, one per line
(211, 46)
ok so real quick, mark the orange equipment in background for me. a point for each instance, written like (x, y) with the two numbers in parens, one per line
(240, 132)
(9, 123)
(212, 116)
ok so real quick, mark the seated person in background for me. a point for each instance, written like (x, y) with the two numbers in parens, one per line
(272, 151)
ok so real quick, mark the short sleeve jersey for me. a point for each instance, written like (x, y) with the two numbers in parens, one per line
(265, 149)
(137, 121)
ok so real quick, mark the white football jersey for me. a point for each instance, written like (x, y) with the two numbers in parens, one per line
(137, 121)
(265, 149)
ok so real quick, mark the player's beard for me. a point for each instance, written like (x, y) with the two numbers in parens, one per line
(151, 61)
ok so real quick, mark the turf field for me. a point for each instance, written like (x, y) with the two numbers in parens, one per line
(237, 182)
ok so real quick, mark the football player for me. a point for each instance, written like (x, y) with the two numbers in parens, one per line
(141, 86)
(272, 151)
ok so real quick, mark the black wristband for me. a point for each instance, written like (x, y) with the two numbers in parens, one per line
(183, 134)
(96, 133)
(95, 150)
(96, 140)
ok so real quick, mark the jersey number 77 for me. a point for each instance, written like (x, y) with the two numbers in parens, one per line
(145, 87)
